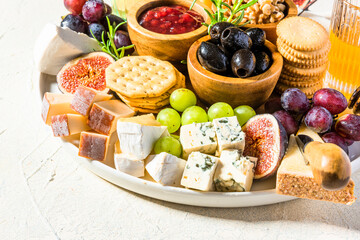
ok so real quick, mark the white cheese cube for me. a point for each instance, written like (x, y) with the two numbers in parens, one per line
(138, 139)
(198, 137)
(128, 163)
(229, 134)
(234, 173)
(166, 169)
(199, 171)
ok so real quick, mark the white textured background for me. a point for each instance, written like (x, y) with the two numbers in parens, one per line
(44, 194)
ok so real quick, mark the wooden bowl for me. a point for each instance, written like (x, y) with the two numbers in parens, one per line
(168, 47)
(253, 91)
(270, 28)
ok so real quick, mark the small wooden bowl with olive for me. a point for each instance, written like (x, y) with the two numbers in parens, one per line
(234, 66)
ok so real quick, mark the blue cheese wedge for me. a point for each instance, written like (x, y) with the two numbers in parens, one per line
(199, 171)
(229, 134)
(198, 137)
(234, 173)
(166, 169)
(137, 139)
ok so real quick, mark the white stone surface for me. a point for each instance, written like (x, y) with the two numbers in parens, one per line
(44, 194)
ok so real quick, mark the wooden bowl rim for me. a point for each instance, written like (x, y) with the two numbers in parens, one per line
(135, 11)
(195, 64)
(290, 4)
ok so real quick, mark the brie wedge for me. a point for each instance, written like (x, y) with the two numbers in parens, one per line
(138, 139)
(56, 46)
(166, 169)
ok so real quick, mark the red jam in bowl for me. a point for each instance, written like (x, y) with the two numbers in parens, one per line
(171, 20)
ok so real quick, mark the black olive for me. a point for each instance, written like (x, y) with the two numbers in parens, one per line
(243, 63)
(257, 35)
(217, 29)
(233, 39)
(263, 62)
(212, 58)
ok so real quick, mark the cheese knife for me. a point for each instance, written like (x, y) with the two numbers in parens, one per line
(330, 164)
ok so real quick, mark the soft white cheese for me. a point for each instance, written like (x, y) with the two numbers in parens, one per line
(229, 134)
(56, 46)
(137, 139)
(234, 173)
(128, 163)
(198, 137)
(166, 169)
(199, 171)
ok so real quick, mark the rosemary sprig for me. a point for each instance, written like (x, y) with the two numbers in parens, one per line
(109, 45)
(222, 7)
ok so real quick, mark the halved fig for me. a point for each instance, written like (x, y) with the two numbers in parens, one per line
(88, 70)
(267, 140)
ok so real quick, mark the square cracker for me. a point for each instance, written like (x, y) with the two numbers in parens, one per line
(141, 76)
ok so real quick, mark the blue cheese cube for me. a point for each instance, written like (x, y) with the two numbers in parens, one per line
(235, 173)
(198, 137)
(229, 134)
(166, 169)
(199, 171)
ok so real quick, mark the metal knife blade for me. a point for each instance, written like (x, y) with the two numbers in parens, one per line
(302, 141)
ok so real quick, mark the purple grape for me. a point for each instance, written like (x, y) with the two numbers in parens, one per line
(319, 119)
(287, 121)
(122, 39)
(97, 29)
(93, 10)
(114, 21)
(272, 105)
(75, 23)
(348, 142)
(348, 126)
(331, 99)
(108, 9)
(295, 101)
(333, 137)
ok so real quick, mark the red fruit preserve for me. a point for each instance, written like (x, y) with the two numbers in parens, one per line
(171, 20)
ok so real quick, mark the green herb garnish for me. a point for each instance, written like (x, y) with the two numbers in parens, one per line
(222, 7)
(109, 45)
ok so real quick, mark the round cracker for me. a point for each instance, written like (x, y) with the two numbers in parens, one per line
(300, 78)
(291, 58)
(298, 72)
(309, 91)
(147, 105)
(306, 55)
(302, 33)
(305, 84)
(145, 110)
(305, 66)
(141, 76)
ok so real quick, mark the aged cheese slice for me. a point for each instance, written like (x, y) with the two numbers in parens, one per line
(93, 145)
(295, 178)
(104, 115)
(146, 120)
(68, 124)
(166, 169)
(56, 46)
(138, 139)
(199, 171)
(84, 98)
(55, 104)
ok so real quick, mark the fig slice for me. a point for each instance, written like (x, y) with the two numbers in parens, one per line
(267, 140)
(87, 70)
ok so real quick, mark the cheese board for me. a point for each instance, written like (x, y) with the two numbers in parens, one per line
(231, 119)
(263, 193)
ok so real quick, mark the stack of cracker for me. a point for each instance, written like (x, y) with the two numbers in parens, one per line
(305, 45)
(144, 83)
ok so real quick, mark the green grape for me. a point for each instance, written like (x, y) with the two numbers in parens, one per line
(170, 118)
(219, 110)
(244, 113)
(169, 145)
(193, 114)
(182, 98)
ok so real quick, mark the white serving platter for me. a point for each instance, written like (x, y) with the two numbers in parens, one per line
(262, 192)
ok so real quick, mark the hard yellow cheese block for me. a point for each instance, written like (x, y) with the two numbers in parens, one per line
(104, 115)
(146, 120)
(84, 98)
(68, 124)
(55, 104)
